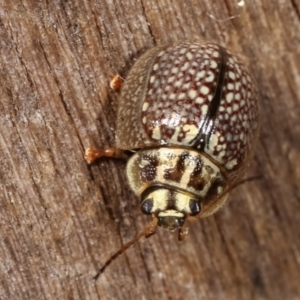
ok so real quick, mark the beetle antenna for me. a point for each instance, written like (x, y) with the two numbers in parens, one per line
(232, 187)
(226, 191)
(147, 232)
(235, 185)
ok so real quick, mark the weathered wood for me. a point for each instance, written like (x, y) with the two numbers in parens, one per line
(60, 219)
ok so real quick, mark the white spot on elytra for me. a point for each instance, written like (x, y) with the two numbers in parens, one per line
(168, 88)
(210, 77)
(230, 86)
(172, 96)
(191, 132)
(185, 66)
(238, 97)
(237, 86)
(145, 106)
(213, 64)
(192, 71)
(213, 141)
(204, 109)
(199, 100)
(215, 54)
(235, 107)
(171, 79)
(174, 70)
(186, 86)
(229, 97)
(220, 148)
(181, 96)
(231, 164)
(182, 51)
(189, 56)
(204, 90)
(230, 60)
(231, 75)
(156, 134)
(178, 83)
(155, 67)
(200, 74)
(233, 118)
(192, 94)
(152, 79)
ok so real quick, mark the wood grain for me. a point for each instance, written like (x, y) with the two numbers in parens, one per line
(60, 219)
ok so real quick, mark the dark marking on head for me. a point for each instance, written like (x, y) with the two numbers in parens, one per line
(175, 174)
(212, 192)
(196, 179)
(148, 173)
(171, 200)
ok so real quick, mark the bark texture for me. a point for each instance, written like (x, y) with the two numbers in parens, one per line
(60, 218)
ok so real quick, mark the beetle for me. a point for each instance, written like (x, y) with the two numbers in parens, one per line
(189, 111)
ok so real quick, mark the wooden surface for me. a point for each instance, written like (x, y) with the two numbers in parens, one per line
(60, 219)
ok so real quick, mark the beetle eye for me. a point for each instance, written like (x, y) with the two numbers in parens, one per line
(147, 206)
(194, 207)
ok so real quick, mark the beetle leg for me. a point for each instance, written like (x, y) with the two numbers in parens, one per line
(182, 232)
(116, 82)
(92, 154)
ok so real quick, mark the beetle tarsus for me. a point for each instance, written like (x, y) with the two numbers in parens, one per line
(116, 82)
(93, 154)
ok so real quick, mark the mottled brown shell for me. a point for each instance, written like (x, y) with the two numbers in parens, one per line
(191, 94)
